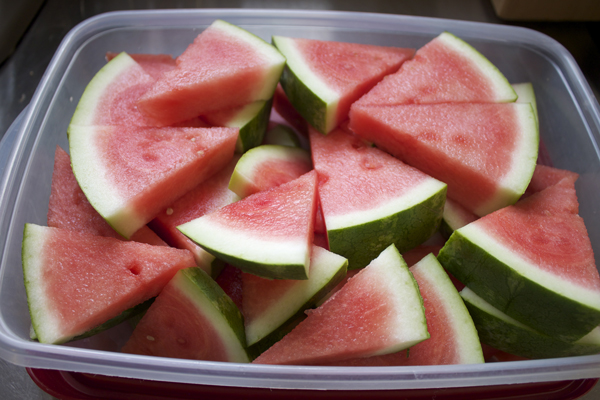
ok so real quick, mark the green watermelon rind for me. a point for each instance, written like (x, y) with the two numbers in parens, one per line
(452, 219)
(252, 121)
(310, 96)
(504, 333)
(282, 135)
(526, 94)
(534, 297)
(216, 306)
(406, 221)
(245, 169)
(327, 270)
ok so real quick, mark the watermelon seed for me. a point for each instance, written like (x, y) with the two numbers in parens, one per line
(150, 338)
(181, 341)
(169, 211)
(134, 268)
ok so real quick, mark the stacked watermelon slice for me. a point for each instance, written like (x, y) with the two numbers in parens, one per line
(313, 241)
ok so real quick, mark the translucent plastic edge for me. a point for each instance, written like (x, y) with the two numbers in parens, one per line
(30, 354)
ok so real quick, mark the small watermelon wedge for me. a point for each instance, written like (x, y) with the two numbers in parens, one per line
(154, 65)
(486, 153)
(75, 281)
(267, 166)
(532, 261)
(545, 176)
(323, 78)
(378, 311)
(453, 338)
(192, 318)
(129, 174)
(225, 67)
(268, 234)
(390, 202)
(68, 207)
(445, 70)
(507, 334)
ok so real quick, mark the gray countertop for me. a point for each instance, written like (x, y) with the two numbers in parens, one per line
(21, 72)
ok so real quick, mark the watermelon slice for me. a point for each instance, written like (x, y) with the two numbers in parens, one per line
(225, 67)
(68, 207)
(267, 166)
(446, 69)
(486, 153)
(283, 107)
(507, 334)
(268, 234)
(208, 196)
(251, 119)
(370, 199)
(129, 174)
(268, 304)
(192, 318)
(545, 176)
(526, 94)
(323, 78)
(534, 262)
(453, 338)
(75, 281)
(154, 65)
(378, 311)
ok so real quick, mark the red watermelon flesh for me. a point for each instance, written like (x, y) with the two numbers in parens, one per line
(230, 280)
(77, 281)
(155, 65)
(208, 196)
(485, 153)
(545, 176)
(442, 71)
(68, 207)
(221, 69)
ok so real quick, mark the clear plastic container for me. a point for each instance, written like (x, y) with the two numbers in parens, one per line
(569, 127)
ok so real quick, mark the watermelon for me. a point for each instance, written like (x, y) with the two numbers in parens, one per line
(486, 153)
(446, 69)
(378, 311)
(545, 176)
(192, 318)
(129, 174)
(453, 338)
(268, 304)
(77, 281)
(281, 135)
(526, 94)
(532, 261)
(230, 280)
(268, 234)
(225, 67)
(390, 202)
(208, 196)
(251, 119)
(68, 207)
(283, 107)
(323, 78)
(505, 333)
(267, 166)
(154, 65)
(455, 217)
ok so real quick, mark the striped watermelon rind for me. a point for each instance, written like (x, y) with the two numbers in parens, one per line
(507, 334)
(537, 298)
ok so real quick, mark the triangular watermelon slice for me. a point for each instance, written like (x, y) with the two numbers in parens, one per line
(446, 69)
(370, 199)
(225, 67)
(533, 261)
(68, 207)
(323, 78)
(486, 153)
(378, 311)
(154, 65)
(129, 174)
(76, 281)
(269, 234)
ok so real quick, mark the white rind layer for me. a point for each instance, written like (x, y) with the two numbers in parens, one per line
(417, 195)
(481, 238)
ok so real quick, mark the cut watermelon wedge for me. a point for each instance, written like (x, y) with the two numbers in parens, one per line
(545, 176)
(155, 65)
(446, 69)
(76, 282)
(378, 311)
(532, 261)
(225, 67)
(370, 199)
(269, 304)
(192, 318)
(267, 166)
(507, 334)
(269, 234)
(486, 153)
(323, 78)
(68, 207)
(129, 174)
(453, 338)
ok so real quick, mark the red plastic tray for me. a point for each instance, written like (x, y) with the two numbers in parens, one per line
(79, 386)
